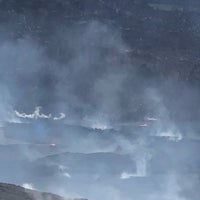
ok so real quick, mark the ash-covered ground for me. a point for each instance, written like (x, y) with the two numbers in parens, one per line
(100, 99)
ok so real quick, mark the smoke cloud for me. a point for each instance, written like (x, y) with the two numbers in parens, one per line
(108, 122)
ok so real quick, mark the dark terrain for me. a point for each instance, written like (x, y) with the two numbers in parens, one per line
(13, 192)
(162, 42)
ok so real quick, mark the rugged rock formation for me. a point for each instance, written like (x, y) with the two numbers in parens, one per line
(13, 192)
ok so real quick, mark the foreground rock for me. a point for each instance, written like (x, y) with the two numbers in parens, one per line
(13, 192)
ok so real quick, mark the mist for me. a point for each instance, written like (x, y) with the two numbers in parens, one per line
(100, 100)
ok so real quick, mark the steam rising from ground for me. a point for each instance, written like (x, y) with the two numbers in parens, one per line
(28, 186)
(93, 81)
(36, 114)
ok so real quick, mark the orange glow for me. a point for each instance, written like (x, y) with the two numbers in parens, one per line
(53, 145)
(143, 125)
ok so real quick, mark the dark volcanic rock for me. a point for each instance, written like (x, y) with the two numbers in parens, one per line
(163, 36)
(13, 192)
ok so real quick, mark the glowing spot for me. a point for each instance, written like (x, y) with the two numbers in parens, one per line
(143, 125)
(53, 145)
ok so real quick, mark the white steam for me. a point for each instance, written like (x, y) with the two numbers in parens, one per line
(61, 116)
(29, 186)
(37, 114)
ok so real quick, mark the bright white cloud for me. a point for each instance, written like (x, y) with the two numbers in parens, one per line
(37, 114)
(126, 175)
(151, 119)
(171, 135)
(67, 175)
(62, 167)
(61, 116)
(96, 122)
(29, 186)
